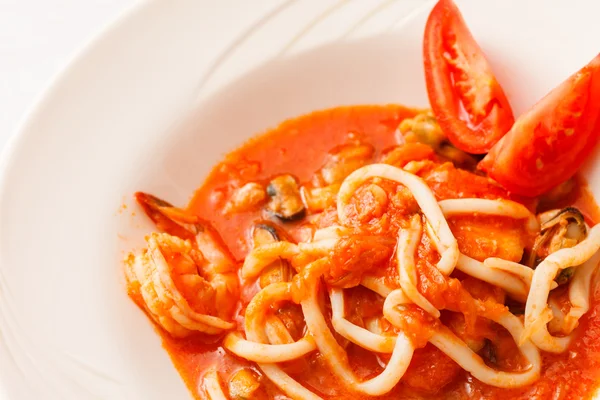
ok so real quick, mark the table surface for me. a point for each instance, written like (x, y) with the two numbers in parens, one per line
(37, 39)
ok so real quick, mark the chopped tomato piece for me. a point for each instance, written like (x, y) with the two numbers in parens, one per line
(465, 96)
(480, 237)
(550, 142)
(430, 370)
(355, 255)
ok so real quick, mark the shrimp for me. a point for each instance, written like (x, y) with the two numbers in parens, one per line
(186, 279)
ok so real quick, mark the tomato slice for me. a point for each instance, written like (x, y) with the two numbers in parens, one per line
(550, 142)
(465, 96)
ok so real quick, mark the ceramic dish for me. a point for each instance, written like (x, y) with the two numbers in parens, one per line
(154, 102)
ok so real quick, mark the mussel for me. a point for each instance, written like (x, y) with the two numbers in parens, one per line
(424, 128)
(292, 318)
(246, 198)
(285, 201)
(565, 276)
(319, 198)
(489, 352)
(280, 270)
(344, 160)
(457, 156)
(559, 229)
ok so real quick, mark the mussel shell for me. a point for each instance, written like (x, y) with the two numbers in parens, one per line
(285, 200)
(278, 271)
(551, 218)
(559, 229)
(264, 233)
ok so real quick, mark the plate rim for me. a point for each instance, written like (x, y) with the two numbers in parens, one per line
(19, 135)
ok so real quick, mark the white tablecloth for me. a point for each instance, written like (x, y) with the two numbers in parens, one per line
(37, 39)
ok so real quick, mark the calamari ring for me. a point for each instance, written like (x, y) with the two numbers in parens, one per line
(335, 356)
(458, 350)
(254, 326)
(408, 240)
(354, 333)
(500, 207)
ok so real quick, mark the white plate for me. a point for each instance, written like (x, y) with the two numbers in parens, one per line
(106, 127)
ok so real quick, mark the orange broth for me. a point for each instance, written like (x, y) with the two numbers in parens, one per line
(299, 147)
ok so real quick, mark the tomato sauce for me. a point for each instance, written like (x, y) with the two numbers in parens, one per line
(299, 147)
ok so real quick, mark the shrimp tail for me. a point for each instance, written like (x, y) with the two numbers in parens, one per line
(168, 218)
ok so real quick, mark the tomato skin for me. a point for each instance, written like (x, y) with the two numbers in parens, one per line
(430, 370)
(465, 96)
(549, 143)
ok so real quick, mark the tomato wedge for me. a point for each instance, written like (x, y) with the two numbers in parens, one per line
(465, 96)
(550, 142)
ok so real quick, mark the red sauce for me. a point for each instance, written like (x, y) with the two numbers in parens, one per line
(299, 147)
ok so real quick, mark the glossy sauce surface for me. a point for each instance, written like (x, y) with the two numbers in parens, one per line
(299, 147)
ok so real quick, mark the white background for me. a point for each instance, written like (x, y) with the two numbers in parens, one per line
(37, 39)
